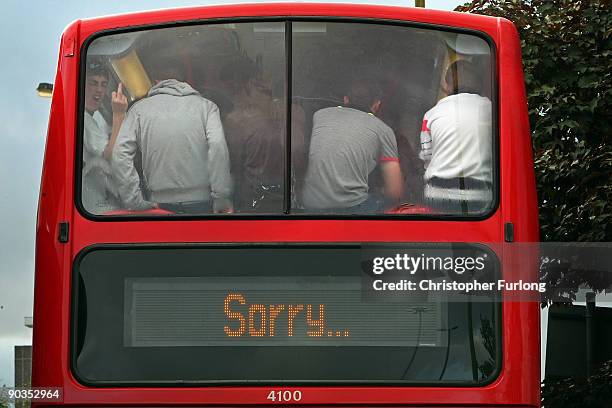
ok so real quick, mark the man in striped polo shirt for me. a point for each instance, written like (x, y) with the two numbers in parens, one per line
(347, 144)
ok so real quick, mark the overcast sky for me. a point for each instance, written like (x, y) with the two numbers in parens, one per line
(30, 33)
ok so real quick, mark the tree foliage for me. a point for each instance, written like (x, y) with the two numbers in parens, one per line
(4, 402)
(567, 57)
(594, 392)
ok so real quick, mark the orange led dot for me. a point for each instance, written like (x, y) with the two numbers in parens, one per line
(293, 311)
(275, 310)
(261, 310)
(318, 324)
(234, 315)
(330, 333)
(346, 333)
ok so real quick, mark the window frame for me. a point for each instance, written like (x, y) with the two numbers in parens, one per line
(288, 20)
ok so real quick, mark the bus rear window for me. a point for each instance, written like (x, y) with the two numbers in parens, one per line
(288, 118)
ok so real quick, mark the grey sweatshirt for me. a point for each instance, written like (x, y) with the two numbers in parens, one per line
(184, 152)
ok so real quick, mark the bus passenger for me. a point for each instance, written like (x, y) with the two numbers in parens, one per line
(456, 144)
(256, 130)
(185, 161)
(346, 145)
(99, 192)
(255, 140)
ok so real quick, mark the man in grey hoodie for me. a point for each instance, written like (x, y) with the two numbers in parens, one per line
(185, 160)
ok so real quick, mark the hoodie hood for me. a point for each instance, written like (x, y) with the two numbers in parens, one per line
(172, 87)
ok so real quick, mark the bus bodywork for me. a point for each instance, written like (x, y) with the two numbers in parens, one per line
(65, 233)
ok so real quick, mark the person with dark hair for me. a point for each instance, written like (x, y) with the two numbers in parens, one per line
(185, 160)
(346, 145)
(463, 77)
(364, 95)
(255, 140)
(99, 190)
(456, 144)
(256, 133)
(166, 69)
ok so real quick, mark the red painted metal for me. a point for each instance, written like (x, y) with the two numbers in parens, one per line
(412, 209)
(518, 383)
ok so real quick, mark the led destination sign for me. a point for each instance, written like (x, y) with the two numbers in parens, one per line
(272, 311)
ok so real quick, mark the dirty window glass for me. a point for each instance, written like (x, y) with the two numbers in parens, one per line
(186, 120)
(391, 120)
(385, 119)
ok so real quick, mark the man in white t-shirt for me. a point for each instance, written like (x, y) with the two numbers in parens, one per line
(98, 189)
(456, 145)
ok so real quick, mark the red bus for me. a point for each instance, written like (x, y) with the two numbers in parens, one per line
(226, 188)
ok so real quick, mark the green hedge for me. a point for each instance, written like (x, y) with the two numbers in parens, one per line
(594, 392)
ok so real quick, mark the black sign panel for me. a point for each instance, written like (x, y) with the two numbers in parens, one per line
(271, 314)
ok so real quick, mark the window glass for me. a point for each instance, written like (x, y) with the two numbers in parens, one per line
(187, 120)
(391, 120)
(192, 120)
